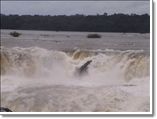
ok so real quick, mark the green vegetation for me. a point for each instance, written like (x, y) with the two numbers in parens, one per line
(93, 36)
(15, 34)
(90, 23)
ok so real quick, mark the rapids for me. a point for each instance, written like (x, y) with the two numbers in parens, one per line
(37, 79)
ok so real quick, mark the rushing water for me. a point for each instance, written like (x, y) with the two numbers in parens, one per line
(38, 79)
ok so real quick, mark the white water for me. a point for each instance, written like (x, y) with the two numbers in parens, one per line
(36, 79)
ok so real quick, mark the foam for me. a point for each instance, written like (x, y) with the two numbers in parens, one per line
(113, 80)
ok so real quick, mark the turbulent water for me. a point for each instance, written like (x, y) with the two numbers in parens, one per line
(39, 72)
(37, 79)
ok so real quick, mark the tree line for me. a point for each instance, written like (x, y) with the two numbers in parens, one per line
(90, 23)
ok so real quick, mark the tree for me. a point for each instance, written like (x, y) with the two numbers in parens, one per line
(92, 23)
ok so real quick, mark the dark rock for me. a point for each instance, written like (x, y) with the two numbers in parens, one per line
(2, 109)
(83, 69)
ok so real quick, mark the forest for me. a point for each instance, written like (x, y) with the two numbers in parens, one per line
(126, 23)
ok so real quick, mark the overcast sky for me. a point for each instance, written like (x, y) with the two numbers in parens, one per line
(73, 7)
